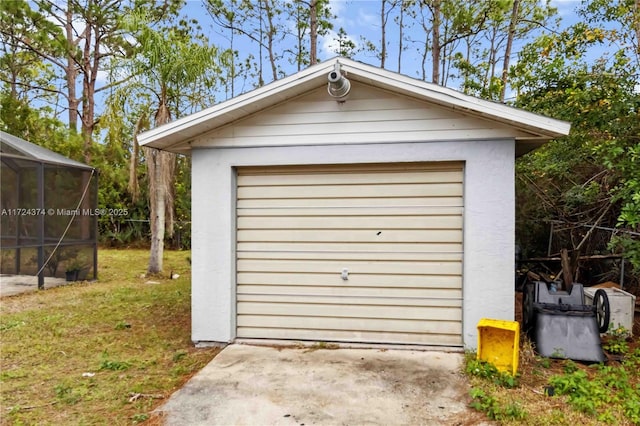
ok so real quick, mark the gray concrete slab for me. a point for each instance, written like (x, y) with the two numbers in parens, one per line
(10, 285)
(257, 385)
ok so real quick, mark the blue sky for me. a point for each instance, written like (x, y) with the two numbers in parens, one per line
(360, 18)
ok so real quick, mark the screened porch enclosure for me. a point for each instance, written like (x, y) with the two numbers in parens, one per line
(49, 213)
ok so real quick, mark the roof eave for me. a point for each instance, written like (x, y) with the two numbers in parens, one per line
(178, 132)
(457, 101)
(191, 126)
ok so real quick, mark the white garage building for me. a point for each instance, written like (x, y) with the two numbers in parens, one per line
(383, 216)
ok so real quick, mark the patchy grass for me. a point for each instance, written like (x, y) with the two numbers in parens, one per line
(559, 392)
(103, 352)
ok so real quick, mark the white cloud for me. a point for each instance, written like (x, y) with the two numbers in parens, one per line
(355, 13)
(338, 8)
(566, 8)
(329, 45)
(367, 18)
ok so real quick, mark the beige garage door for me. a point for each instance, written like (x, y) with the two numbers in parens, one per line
(358, 253)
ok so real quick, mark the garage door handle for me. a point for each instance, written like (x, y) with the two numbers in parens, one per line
(345, 274)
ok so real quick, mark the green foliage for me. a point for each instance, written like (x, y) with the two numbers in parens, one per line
(545, 362)
(122, 325)
(615, 341)
(482, 76)
(107, 364)
(605, 393)
(345, 46)
(20, 119)
(21, 25)
(590, 177)
(66, 394)
(11, 324)
(582, 392)
(488, 404)
(596, 394)
(570, 367)
(173, 71)
(621, 155)
(488, 371)
(140, 418)
(179, 355)
(632, 360)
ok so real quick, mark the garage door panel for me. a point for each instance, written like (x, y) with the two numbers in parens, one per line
(349, 223)
(354, 267)
(389, 311)
(368, 212)
(403, 338)
(284, 292)
(345, 248)
(353, 236)
(397, 229)
(321, 203)
(367, 178)
(351, 169)
(361, 324)
(355, 280)
(273, 302)
(346, 255)
(337, 192)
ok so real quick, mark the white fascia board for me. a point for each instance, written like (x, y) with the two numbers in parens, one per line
(546, 127)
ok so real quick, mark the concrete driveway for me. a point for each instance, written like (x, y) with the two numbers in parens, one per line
(258, 385)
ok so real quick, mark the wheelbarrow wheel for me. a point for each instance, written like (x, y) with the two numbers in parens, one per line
(603, 312)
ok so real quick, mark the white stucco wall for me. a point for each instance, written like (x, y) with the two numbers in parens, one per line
(489, 222)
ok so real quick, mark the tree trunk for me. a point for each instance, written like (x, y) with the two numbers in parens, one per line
(313, 32)
(157, 207)
(160, 172)
(425, 51)
(401, 34)
(507, 52)
(567, 270)
(88, 91)
(133, 186)
(383, 35)
(71, 70)
(490, 72)
(260, 46)
(271, 33)
(435, 43)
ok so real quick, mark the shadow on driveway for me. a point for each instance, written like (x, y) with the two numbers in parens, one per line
(258, 385)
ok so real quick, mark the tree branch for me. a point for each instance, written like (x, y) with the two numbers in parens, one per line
(114, 84)
(22, 44)
(33, 87)
(594, 226)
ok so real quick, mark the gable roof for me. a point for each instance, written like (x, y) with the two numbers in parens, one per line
(539, 129)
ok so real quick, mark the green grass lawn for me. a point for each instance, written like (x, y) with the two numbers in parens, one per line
(106, 352)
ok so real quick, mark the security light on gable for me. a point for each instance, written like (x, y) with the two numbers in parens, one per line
(339, 86)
